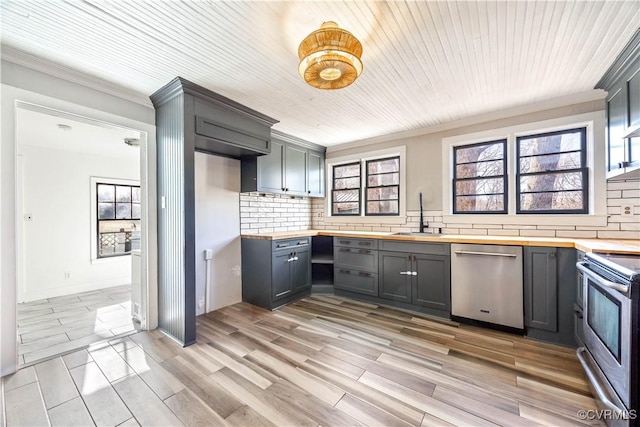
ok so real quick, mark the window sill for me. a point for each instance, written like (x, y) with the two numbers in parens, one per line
(107, 260)
(533, 219)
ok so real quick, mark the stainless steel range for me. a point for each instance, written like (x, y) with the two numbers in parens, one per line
(611, 287)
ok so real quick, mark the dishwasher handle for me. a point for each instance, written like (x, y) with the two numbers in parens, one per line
(485, 254)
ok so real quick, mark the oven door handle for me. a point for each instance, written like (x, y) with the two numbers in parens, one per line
(601, 280)
(593, 380)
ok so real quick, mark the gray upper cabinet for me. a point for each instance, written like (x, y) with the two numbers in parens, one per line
(622, 82)
(270, 169)
(315, 173)
(295, 170)
(294, 167)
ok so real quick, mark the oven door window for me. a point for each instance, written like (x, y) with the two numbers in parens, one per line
(603, 317)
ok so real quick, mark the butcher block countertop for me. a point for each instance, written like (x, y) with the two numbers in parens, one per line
(585, 245)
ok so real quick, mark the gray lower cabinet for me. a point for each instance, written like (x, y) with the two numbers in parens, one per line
(275, 272)
(550, 293)
(356, 265)
(417, 279)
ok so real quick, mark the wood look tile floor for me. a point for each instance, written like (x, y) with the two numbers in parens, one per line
(56, 325)
(322, 361)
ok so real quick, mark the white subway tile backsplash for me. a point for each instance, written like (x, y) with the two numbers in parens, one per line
(577, 234)
(264, 213)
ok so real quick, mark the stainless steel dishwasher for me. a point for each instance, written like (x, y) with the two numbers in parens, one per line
(486, 284)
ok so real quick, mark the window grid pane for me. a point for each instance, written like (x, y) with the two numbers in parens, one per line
(383, 187)
(480, 180)
(118, 219)
(552, 175)
(345, 194)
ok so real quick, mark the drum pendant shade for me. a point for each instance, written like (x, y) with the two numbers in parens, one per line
(330, 57)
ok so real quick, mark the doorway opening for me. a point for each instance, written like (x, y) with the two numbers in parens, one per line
(80, 221)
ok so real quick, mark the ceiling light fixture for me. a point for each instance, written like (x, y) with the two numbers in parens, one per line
(330, 57)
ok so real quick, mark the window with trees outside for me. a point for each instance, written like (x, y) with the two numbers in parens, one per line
(480, 178)
(118, 219)
(552, 172)
(345, 192)
(381, 188)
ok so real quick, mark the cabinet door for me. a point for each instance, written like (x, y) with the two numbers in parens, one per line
(432, 285)
(270, 167)
(301, 271)
(295, 167)
(540, 288)
(315, 174)
(633, 96)
(616, 123)
(395, 282)
(281, 280)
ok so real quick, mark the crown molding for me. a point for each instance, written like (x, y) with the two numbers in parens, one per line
(19, 57)
(563, 101)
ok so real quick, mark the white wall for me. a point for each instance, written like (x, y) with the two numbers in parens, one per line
(57, 195)
(23, 84)
(217, 193)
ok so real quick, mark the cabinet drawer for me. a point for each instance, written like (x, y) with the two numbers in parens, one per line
(355, 243)
(356, 281)
(356, 259)
(291, 244)
(415, 247)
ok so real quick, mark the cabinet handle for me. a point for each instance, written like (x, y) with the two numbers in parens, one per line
(415, 258)
(345, 271)
(345, 242)
(552, 255)
(302, 242)
(282, 293)
(363, 274)
(309, 192)
(414, 273)
(344, 250)
(282, 245)
(364, 243)
(364, 251)
(405, 273)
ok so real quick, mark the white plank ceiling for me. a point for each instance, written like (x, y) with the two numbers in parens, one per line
(425, 62)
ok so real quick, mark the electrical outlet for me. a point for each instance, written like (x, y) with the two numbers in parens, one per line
(67, 275)
(627, 210)
(201, 302)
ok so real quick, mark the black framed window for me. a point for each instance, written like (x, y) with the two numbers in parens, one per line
(552, 173)
(118, 219)
(345, 191)
(382, 194)
(480, 178)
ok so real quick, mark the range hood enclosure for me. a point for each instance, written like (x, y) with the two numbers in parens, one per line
(190, 118)
(221, 126)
